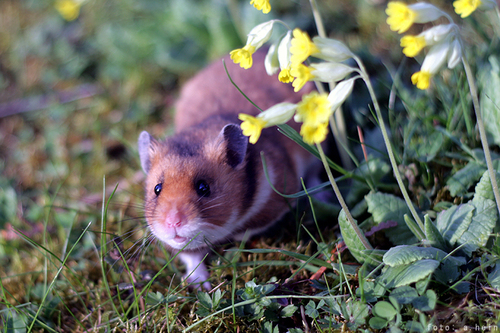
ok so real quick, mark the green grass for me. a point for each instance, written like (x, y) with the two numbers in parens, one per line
(75, 252)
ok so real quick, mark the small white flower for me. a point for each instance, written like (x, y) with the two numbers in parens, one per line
(331, 50)
(438, 33)
(340, 93)
(455, 53)
(278, 114)
(284, 54)
(260, 34)
(330, 71)
(435, 58)
(271, 61)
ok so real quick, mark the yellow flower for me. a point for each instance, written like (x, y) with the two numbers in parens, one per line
(251, 126)
(243, 56)
(421, 79)
(412, 45)
(314, 133)
(301, 47)
(401, 17)
(69, 9)
(285, 76)
(466, 7)
(314, 109)
(302, 74)
(263, 5)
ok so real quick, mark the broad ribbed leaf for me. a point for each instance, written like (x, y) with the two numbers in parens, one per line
(454, 221)
(352, 240)
(387, 207)
(404, 275)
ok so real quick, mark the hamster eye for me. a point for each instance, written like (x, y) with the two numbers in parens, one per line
(202, 188)
(158, 188)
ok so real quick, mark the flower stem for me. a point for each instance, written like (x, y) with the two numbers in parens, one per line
(388, 145)
(338, 126)
(482, 131)
(336, 189)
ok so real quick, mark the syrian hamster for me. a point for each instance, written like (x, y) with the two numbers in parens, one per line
(206, 184)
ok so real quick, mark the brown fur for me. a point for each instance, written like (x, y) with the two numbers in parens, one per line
(240, 196)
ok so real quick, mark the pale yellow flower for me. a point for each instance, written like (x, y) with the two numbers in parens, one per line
(401, 16)
(263, 5)
(285, 76)
(314, 133)
(69, 9)
(302, 75)
(314, 109)
(421, 79)
(301, 47)
(466, 7)
(412, 45)
(251, 126)
(243, 56)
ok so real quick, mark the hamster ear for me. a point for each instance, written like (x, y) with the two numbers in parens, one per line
(145, 145)
(236, 144)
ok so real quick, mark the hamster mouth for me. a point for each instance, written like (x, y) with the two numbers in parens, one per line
(180, 239)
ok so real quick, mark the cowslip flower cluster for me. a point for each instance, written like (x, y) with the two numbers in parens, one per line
(443, 40)
(288, 56)
(313, 112)
(69, 9)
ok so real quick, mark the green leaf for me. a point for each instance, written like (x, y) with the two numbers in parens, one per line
(463, 179)
(414, 327)
(351, 238)
(414, 228)
(483, 221)
(404, 275)
(490, 100)
(483, 189)
(485, 216)
(268, 328)
(453, 222)
(378, 323)
(204, 299)
(432, 234)
(426, 302)
(385, 310)
(424, 148)
(288, 311)
(311, 310)
(494, 276)
(404, 294)
(374, 171)
(358, 312)
(387, 207)
(406, 254)
(296, 330)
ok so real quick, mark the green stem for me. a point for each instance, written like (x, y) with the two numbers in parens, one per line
(482, 131)
(317, 19)
(336, 189)
(338, 126)
(388, 145)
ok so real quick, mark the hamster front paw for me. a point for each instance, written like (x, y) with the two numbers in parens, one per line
(196, 271)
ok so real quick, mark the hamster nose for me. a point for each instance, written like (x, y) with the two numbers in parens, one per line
(174, 218)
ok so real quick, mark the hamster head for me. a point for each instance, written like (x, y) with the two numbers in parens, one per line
(194, 190)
